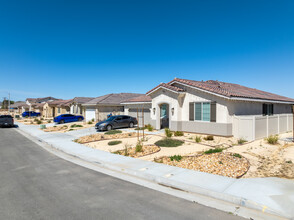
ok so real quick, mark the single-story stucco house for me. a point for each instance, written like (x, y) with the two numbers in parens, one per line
(219, 108)
(57, 107)
(98, 108)
(139, 107)
(32, 101)
(76, 107)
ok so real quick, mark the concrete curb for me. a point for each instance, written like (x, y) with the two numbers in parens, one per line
(167, 180)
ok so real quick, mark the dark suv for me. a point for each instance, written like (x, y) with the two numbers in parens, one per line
(6, 121)
(117, 121)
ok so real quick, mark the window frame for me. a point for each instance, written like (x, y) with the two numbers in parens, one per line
(202, 102)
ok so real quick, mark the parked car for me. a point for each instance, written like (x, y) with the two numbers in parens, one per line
(117, 121)
(31, 114)
(6, 121)
(65, 118)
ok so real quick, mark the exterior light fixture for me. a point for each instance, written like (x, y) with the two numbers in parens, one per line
(173, 111)
(153, 111)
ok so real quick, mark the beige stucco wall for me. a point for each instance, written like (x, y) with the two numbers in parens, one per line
(101, 112)
(131, 110)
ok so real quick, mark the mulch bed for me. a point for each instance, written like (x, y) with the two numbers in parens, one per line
(146, 150)
(224, 164)
(101, 137)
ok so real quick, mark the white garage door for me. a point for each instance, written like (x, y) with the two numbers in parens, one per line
(90, 114)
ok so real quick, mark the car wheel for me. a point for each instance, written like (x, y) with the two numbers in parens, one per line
(131, 125)
(109, 127)
(80, 119)
(61, 121)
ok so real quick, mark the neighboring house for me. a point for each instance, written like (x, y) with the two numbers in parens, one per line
(34, 101)
(19, 107)
(139, 107)
(98, 108)
(57, 107)
(76, 107)
(219, 108)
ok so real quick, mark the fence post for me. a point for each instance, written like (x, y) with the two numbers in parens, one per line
(267, 126)
(253, 128)
(278, 124)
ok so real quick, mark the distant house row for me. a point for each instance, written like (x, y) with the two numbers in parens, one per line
(207, 107)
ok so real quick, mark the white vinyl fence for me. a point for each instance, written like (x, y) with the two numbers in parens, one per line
(257, 127)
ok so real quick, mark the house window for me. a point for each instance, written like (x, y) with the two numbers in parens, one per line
(58, 110)
(268, 109)
(202, 111)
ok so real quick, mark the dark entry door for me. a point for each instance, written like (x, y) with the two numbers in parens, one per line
(164, 116)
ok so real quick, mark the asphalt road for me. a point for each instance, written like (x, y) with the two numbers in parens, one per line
(35, 184)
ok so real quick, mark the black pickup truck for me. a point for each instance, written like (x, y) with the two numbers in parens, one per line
(6, 121)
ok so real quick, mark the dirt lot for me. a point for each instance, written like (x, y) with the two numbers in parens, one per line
(265, 160)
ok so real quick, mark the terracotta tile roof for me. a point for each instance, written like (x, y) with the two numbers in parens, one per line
(38, 100)
(112, 99)
(61, 102)
(82, 100)
(168, 86)
(142, 98)
(231, 90)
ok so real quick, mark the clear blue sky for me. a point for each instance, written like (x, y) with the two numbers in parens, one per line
(89, 48)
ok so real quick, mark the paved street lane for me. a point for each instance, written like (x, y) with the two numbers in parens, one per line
(35, 184)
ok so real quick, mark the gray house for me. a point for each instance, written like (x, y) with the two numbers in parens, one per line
(98, 108)
(219, 108)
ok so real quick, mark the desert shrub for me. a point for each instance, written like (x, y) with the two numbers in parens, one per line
(138, 128)
(113, 142)
(272, 139)
(90, 122)
(176, 158)
(241, 141)
(93, 119)
(237, 155)
(288, 161)
(39, 122)
(36, 120)
(149, 127)
(168, 142)
(76, 126)
(209, 138)
(179, 133)
(168, 133)
(215, 150)
(71, 129)
(139, 147)
(72, 126)
(126, 149)
(49, 121)
(113, 132)
(198, 139)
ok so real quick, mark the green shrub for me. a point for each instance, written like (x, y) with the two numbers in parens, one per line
(215, 150)
(272, 139)
(149, 127)
(168, 133)
(90, 122)
(198, 139)
(241, 141)
(220, 162)
(49, 121)
(237, 155)
(288, 161)
(39, 122)
(179, 133)
(176, 158)
(76, 126)
(93, 119)
(168, 142)
(113, 132)
(72, 126)
(139, 147)
(71, 129)
(113, 142)
(36, 120)
(138, 128)
(209, 138)
(54, 126)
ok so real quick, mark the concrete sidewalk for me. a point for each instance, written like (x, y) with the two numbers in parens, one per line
(273, 196)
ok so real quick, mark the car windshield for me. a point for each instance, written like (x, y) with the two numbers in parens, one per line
(111, 118)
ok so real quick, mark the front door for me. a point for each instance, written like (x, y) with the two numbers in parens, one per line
(164, 116)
